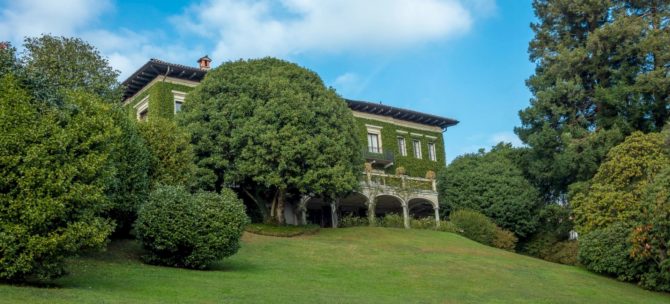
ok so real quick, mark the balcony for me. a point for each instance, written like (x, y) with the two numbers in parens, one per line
(376, 155)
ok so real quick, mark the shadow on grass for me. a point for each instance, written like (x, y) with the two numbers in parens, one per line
(229, 266)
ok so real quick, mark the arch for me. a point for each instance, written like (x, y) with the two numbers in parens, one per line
(318, 212)
(421, 207)
(355, 203)
(388, 203)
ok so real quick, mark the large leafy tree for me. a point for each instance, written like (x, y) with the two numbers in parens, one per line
(272, 129)
(601, 73)
(616, 192)
(54, 172)
(72, 63)
(492, 184)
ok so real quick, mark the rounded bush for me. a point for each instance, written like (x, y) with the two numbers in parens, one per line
(474, 225)
(607, 251)
(181, 229)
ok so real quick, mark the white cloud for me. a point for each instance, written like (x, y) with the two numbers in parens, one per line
(34, 17)
(254, 28)
(507, 137)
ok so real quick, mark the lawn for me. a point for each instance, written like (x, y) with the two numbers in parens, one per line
(352, 265)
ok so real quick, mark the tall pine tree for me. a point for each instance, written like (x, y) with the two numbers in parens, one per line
(602, 72)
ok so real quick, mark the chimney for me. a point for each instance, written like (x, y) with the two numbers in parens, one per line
(204, 63)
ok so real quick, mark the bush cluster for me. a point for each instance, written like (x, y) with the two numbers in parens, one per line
(350, 220)
(482, 229)
(392, 220)
(607, 251)
(181, 229)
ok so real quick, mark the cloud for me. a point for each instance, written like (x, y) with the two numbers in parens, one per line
(255, 28)
(63, 17)
(507, 137)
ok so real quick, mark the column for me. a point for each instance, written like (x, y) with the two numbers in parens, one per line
(371, 212)
(437, 216)
(333, 214)
(405, 214)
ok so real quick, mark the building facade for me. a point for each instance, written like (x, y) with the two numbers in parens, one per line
(404, 148)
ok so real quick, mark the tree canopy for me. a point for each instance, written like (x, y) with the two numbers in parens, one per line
(616, 192)
(601, 74)
(72, 63)
(272, 129)
(492, 184)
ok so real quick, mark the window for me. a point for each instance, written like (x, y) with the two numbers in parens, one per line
(144, 115)
(431, 151)
(373, 143)
(416, 144)
(401, 146)
(179, 98)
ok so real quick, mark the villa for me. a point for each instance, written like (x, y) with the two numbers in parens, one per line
(404, 148)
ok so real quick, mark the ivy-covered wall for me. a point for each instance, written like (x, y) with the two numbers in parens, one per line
(161, 99)
(389, 137)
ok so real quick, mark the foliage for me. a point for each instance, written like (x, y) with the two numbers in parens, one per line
(392, 220)
(413, 166)
(615, 192)
(131, 184)
(54, 168)
(601, 73)
(273, 129)
(607, 251)
(474, 225)
(282, 231)
(651, 238)
(492, 184)
(171, 161)
(564, 252)
(73, 64)
(161, 100)
(504, 239)
(423, 223)
(350, 220)
(181, 229)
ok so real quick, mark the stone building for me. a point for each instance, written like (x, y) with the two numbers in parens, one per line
(404, 148)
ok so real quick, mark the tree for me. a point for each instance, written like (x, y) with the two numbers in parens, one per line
(171, 159)
(54, 168)
(492, 184)
(272, 129)
(131, 184)
(616, 191)
(651, 237)
(601, 74)
(72, 63)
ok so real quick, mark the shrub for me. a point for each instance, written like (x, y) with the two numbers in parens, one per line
(351, 220)
(474, 226)
(392, 220)
(565, 252)
(423, 223)
(607, 251)
(172, 158)
(54, 168)
(180, 229)
(504, 239)
(446, 226)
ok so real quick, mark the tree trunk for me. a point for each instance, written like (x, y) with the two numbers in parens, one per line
(260, 202)
(279, 210)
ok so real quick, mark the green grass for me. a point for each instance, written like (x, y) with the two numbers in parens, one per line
(282, 231)
(352, 265)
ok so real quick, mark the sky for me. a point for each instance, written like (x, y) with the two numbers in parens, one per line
(462, 59)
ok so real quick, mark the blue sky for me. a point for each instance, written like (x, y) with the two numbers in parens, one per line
(463, 59)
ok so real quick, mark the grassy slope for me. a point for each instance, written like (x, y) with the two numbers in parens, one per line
(364, 265)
